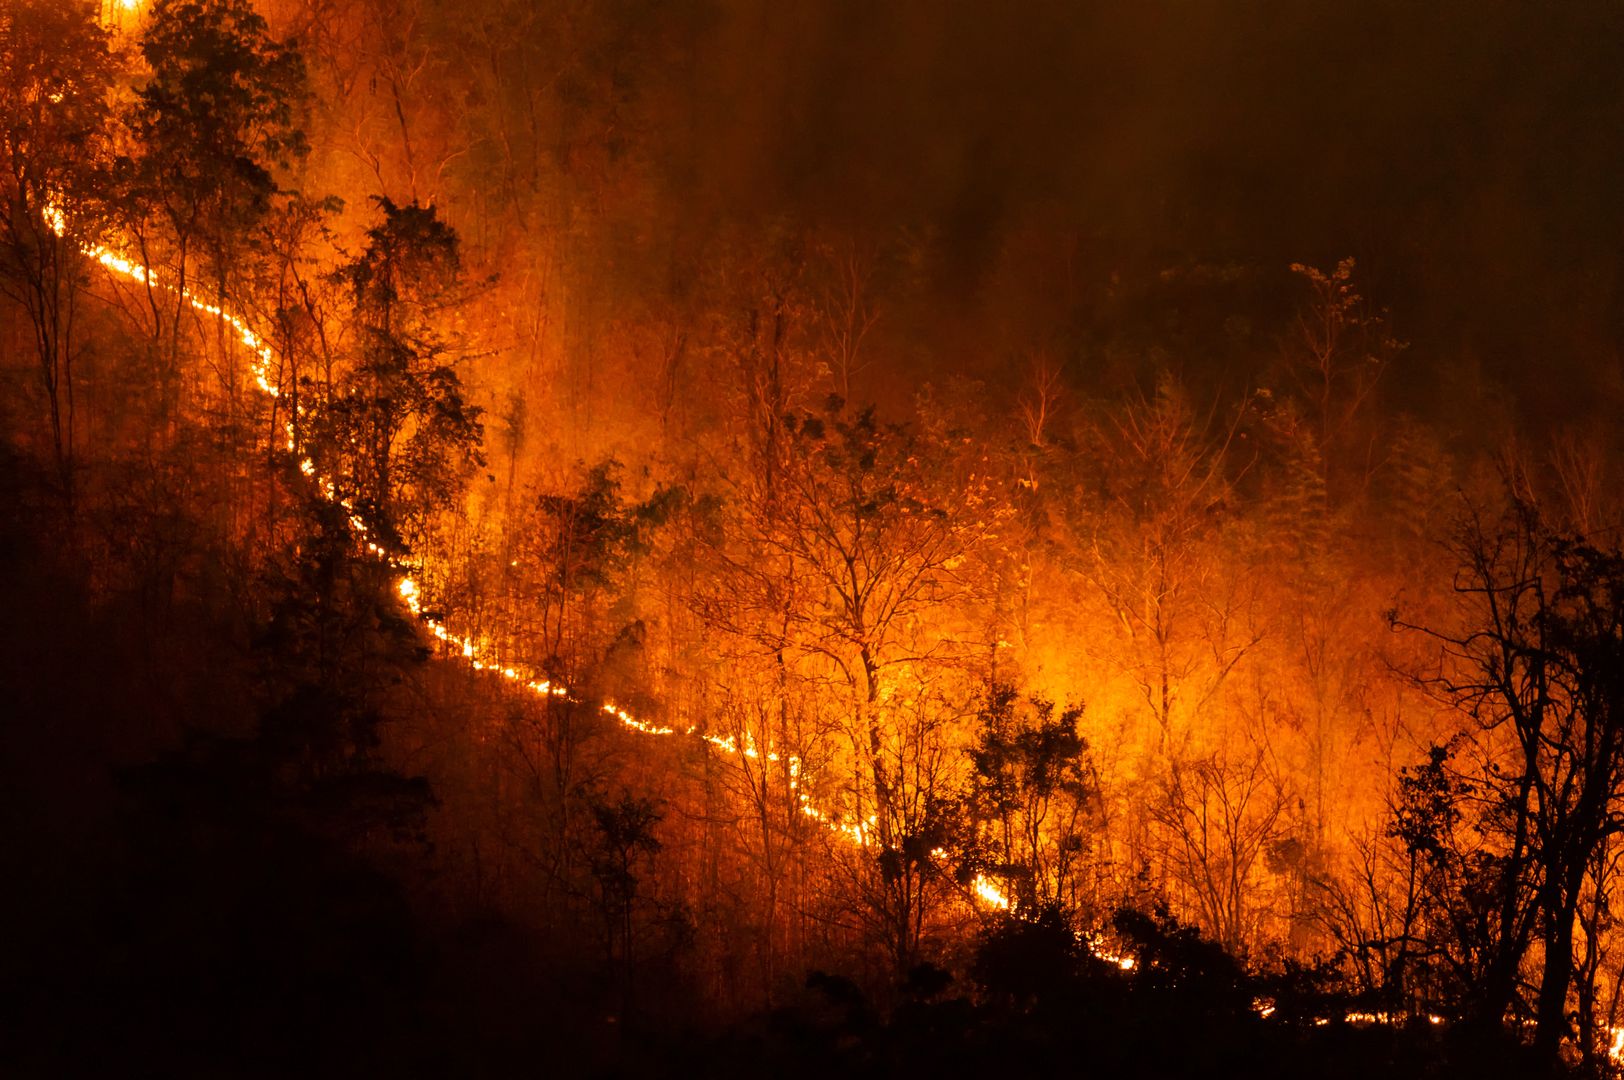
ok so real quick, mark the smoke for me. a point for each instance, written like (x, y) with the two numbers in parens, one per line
(1465, 153)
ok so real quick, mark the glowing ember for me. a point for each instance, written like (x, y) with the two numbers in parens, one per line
(989, 892)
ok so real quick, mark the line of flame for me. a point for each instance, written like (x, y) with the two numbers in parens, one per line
(858, 833)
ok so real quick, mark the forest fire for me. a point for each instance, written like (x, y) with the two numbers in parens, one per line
(511, 553)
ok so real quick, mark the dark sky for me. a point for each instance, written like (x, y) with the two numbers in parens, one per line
(1467, 153)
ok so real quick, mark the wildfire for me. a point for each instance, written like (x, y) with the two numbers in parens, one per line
(1101, 951)
(262, 368)
(482, 657)
(115, 12)
(990, 893)
(855, 832)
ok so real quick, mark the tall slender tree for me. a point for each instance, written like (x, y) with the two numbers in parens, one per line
(55, 113)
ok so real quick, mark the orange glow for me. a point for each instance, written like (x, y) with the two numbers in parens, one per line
(262, 367)
(990, 893)
(854, 832)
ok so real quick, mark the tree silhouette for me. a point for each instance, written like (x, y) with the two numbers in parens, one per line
(1535, 664)
(397, 433)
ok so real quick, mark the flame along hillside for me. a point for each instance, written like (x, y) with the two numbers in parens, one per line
(854, 832)
(1349, 756)
(262, 368)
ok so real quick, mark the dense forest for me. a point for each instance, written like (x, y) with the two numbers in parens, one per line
(623, 537)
